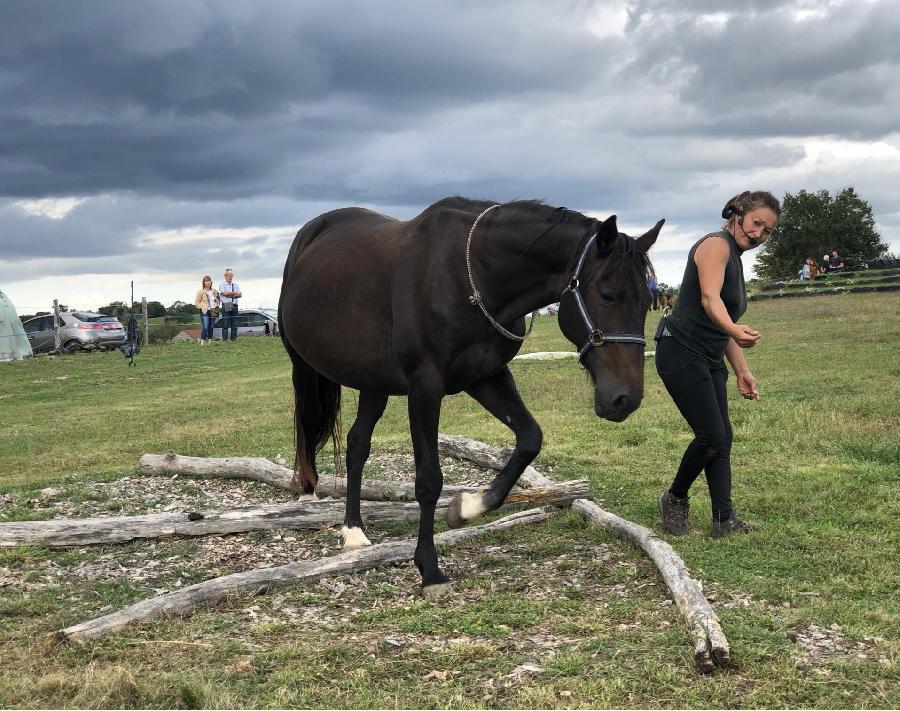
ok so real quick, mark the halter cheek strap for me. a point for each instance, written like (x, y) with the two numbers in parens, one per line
(596, 337)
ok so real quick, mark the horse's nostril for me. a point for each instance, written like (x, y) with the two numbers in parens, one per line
(621, 402)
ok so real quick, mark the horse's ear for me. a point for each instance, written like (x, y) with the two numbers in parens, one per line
(646, 240)
(607, 233)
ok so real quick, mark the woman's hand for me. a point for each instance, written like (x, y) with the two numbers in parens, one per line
(746, 385)
(744, 336)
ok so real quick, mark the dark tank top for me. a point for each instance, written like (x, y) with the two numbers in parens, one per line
(689, 324)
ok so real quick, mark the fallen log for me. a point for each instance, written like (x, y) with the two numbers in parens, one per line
(710, 645)
(64, 533)
(184, 602)
(262, 470)
(487, 456)
(311, 514)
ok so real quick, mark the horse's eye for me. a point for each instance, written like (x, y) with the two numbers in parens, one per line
(607, 297)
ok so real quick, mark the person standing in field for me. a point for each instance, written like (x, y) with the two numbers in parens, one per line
(207, 300)
(229, 292)
(703, 329)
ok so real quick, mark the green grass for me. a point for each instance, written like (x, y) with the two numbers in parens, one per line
(816, 466)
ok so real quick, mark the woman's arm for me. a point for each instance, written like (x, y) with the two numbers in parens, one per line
(746, 383)
(711, 258)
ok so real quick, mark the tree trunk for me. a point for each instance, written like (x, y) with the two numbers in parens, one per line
(710, 645)
(487, 456)
(313, 514)
(184, 602)
(258, 469)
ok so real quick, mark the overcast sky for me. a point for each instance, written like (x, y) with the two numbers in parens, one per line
(162, 140)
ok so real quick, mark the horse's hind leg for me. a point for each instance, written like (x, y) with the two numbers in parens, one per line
(359, 441)
(499, 396)
(425, 395)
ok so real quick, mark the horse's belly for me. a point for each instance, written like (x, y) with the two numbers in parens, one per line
(347, 338)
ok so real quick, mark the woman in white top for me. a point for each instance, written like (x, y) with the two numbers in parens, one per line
(207, 300)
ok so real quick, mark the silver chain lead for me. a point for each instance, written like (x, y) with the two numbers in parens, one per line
(475, 298)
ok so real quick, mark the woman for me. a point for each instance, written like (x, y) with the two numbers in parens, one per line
(207, 300)
(693, 339)
(813, 268)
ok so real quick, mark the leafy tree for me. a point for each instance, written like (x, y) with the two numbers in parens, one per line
(815, 223)
(182, 308)
(155, 308)
(115, 308)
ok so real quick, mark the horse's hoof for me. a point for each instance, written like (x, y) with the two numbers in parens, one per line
(454, 517)
(437, 591)
(354, 539)
(465, 508)
(307, 497)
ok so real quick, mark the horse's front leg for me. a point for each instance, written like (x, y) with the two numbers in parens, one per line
(499, 396)
(359, 444)
(425, 394)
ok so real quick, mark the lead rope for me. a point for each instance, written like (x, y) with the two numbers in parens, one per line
(475, 298)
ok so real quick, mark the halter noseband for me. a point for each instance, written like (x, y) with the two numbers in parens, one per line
(596, 337)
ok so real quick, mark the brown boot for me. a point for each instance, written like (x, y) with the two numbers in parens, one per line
(674, 514)
(732, 524)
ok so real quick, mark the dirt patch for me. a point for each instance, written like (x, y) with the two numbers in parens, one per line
(820, 645)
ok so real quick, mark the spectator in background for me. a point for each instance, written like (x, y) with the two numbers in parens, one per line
(804, 271)
(654, 290)
(813, 267)
(229, 293)
(835, 262)
(825, 264)
(207, 300)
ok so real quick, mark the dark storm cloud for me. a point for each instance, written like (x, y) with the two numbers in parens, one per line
(211, 99)
(206, 115)
(774, 68)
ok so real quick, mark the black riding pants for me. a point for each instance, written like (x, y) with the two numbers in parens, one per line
(699, 391)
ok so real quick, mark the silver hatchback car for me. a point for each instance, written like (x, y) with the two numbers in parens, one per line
(78, 330)
(251, 322)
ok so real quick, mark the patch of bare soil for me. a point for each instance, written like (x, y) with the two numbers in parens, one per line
(819, 645)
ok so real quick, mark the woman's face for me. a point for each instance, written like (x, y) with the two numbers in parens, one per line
(755, 227)
(207, 283)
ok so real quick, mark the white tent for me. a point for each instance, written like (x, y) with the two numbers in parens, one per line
(14, 343)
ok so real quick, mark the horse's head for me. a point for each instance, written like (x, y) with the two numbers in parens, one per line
(612, 283)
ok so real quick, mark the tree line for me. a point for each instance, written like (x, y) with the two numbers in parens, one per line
(179, 311)
(815, 223)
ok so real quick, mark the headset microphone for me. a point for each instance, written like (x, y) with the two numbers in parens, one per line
(730, 211)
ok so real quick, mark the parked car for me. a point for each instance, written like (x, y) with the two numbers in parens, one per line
(77, 330)
(251, 322)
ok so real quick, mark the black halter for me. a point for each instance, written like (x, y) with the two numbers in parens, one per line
(596, 337)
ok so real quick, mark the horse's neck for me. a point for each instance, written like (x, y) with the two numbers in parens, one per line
(527, 270)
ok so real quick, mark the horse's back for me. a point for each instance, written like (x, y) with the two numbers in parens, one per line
(365, 296)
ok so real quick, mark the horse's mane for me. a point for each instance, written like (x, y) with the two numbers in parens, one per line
(515, 211)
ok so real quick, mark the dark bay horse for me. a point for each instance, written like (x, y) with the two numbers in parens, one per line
(419, 308)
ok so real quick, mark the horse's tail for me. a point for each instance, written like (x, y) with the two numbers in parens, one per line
(317, 409)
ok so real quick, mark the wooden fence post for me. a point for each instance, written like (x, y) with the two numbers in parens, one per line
(56, 343)
(146, 320)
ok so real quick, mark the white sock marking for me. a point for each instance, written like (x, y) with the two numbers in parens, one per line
(471, 505)
(354, 538)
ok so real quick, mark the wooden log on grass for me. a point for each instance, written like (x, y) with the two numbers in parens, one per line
(710, 645)
(311, 514)
(487, 456)
(183, 602)
(262, 470)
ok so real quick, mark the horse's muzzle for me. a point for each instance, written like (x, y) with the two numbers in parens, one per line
(617, 407)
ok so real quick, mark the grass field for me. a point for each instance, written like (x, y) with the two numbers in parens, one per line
(809, 601)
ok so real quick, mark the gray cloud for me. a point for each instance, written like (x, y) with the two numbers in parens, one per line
(197, 114)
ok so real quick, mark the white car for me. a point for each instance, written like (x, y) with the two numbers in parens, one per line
(251, 322)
